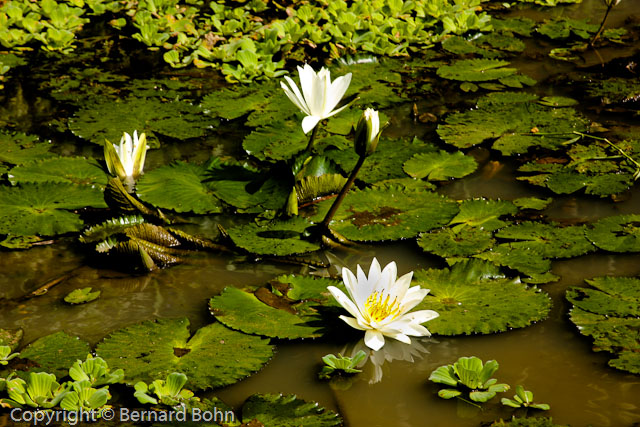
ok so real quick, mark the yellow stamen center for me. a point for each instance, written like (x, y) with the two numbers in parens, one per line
(379, 308)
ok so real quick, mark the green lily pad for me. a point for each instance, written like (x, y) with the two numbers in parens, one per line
(81, 296)
(483, 214)
(440, 166)
(562, 28)
(41, 209)
(516, 124)
(287, 411)
(279, 238)
(448, 242)
(178, 186)
(388, 214)
(476, 70)
(210, 358)
(55, 353)
(287, 310)
(620, 233)
(532, 203)
(502, 41)
(609, 312)
(19, 148)
(109, 119)
(548, 240)
(521, 26)
(276, 141)
(523, 259)
(387, 161)
(473, 297)
(373, 83)
(74, 170)
(614, 90)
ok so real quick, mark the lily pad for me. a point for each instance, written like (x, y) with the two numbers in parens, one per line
(42, 208)
(614, 90)
(440, 166)
(74, 170)
(483, 213)
(373, 83)
(620, 233)
(562, 28)
(523, 259)
(279, 238)
(516, 124)
(448, 242)
(152, 350)
(548, 240)
(388, 214)
(81, 296)
(476, 70)
(287, 411)
(19, 148)
(55, 353)
(109, 119)
(609, 312)
(276, 141)
(532, 203)
(286, 309)
(473, 297)
(178, 186)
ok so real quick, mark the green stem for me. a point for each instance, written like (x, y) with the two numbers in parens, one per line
(606, 14)
(312, 138)
(620, 150)
(324, 226)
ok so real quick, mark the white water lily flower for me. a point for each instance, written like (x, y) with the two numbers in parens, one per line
(380, 304)
(126, 160)
(367, 132)
(319, 95)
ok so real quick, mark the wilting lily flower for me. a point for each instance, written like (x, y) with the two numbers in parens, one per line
(319, 96)
(367, 132)
(380, 304)
(126, 160)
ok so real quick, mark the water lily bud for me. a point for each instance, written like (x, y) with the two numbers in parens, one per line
(127, 159)
(367, 132)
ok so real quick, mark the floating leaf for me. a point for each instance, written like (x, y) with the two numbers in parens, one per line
(388, 214)
(287, 411)
(276, 141)
(474, 297)
(522, 259)
(532, 203)
(483, 214)
(548, 240)
(288, 311)
(109, 119)
(614, 90)
(562, 28)
(74, 170)
(476, 70)
(609, 312)
(463, 242)
(620, 233)
(373, 83)
(41, 208)
(19, 148)
(55, 353)
(279, 238)
(152, 350)
(178, 186)
(81, 296)
(515, 122)
(440, 166)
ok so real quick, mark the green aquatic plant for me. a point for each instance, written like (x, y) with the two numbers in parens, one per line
(81, 296)
(609, 4)
(6, 355)
(96, 371)
(40, 390)
(168, 392)
(469, 378)
(524, 399)
(341, 364)
(83, 397)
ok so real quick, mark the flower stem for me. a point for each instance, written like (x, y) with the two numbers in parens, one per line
(620, 150)
(312, 138)
(604, 19)
(324, 226)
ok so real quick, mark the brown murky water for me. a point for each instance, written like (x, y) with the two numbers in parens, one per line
(550, 358)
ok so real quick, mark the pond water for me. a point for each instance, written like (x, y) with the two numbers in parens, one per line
(550, 358)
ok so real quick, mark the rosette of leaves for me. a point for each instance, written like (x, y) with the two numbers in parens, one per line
(341, 364)
(152, 350)
(83, 397)
(6, 355)
(473, 297)
(609, 312)
(40, 390)
(288, 307)
(524, 399)
(514, 122)
(468, 377)
(96, 371)
(168, 392)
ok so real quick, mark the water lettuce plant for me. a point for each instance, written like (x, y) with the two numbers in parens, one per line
(168, 392)
(341, 364)
(6, 355)
(95, 371)
(468, 377)
(524, 399)
(40, 390)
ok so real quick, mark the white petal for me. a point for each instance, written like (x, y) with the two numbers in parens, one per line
(344, 301)
(351, 283)
(309, 123)
(413, 297)
(421, 316)
(402, 286)
(307, 77)
(336, 92)
(294, 95)
(400, 337)
(374, 339)
(354, 323)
